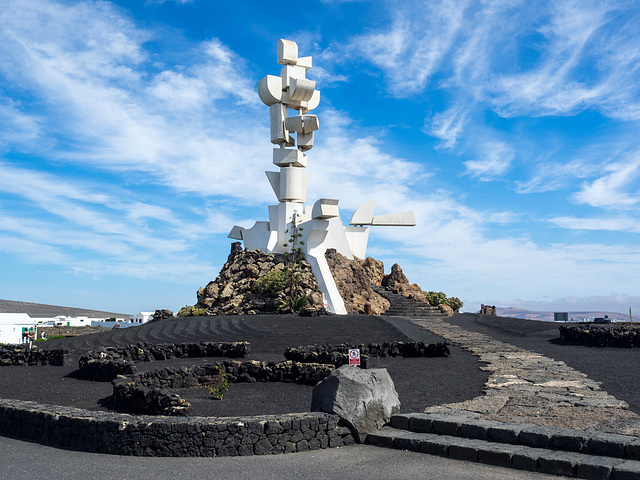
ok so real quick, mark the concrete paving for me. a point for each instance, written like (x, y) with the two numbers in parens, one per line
(23, 460)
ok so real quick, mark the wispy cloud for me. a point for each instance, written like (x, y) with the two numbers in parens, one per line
(411, 50)
(550, 176)
(495, 162)
(617, 224)
(611, 191)
(448, 125)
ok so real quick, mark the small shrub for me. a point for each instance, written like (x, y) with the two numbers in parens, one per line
(272, 282)
(436, 298)
(191, 311)
(455, 303)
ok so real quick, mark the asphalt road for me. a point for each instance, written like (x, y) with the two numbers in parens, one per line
(23, 460)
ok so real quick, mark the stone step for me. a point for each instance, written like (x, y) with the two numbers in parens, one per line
(545, 437)
(406, 307)
(520, 457)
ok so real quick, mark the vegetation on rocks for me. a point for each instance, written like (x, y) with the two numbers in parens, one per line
(436, 299)
(253, 282)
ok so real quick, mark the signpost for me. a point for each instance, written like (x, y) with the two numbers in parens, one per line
(354, 356)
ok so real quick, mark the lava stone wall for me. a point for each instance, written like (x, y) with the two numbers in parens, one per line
(21, 354)
(337, 355)
(122, 434)
(612, 335)
(106, 364)
(156, 393)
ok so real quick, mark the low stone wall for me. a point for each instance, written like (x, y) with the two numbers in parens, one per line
(122, 434)
(21, 354)
(612, 335)
(156, 393)
(338, 355)
(106, 364)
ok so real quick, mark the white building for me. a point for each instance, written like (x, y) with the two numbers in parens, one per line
(12, 325)
(140, 318)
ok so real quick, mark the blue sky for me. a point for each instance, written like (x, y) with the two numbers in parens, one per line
(132, 139)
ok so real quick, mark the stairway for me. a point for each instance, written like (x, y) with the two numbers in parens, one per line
(551, 450)
(406, 307)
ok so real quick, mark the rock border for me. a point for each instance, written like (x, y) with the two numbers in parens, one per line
(21, 354)
(338, 355)
(123, 434)
(107, 363)
(154, 393)
(612, 335)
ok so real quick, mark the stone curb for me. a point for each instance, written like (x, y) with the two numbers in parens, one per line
(123, 434)
(542, 437)
(506, 455)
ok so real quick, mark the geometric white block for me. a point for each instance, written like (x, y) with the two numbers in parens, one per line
(236, 233)
(301, 89)
(358, 237)
(294, 124)
(285, 157)
(302, 123)
(274, 180)
(313, 102)
(311, 123)
(287, 52)
(325, 208)
(270, 89)
(291, 71)
(279, 134)
(304, 62)
(292, 188)
(363, 214)
(402, 219)
(305, 141)
(293, 104)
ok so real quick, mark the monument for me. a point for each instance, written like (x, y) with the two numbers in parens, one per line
(320, 226)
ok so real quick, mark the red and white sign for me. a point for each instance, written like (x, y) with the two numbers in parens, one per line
(354, 356)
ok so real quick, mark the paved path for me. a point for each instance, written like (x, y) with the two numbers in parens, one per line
(23, 460)
(526, 387)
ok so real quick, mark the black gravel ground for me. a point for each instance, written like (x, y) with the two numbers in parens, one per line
(617, 369)
(420, 382)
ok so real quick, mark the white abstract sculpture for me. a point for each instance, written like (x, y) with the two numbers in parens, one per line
(322, 226)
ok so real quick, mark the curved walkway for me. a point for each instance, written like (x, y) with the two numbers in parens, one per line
(526, 387)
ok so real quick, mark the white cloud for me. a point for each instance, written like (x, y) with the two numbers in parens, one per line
(189, 127)
(555, 175)
(448, 125)
(611, 191)
(496, 161)
(413, 48)
(617, 224)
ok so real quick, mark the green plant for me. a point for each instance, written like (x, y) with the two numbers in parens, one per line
(272, 282)
(455, 303)
(435, 298)
(217, 390)
(298, 303)
(191, 311)
(293, 264)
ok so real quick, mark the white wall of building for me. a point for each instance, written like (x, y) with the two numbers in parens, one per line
(11, 326)
(140, 318)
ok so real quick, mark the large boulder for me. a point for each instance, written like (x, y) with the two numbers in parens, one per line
(364, 399)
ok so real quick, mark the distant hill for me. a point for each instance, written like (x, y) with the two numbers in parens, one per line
(42, 310)
(548, 316)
